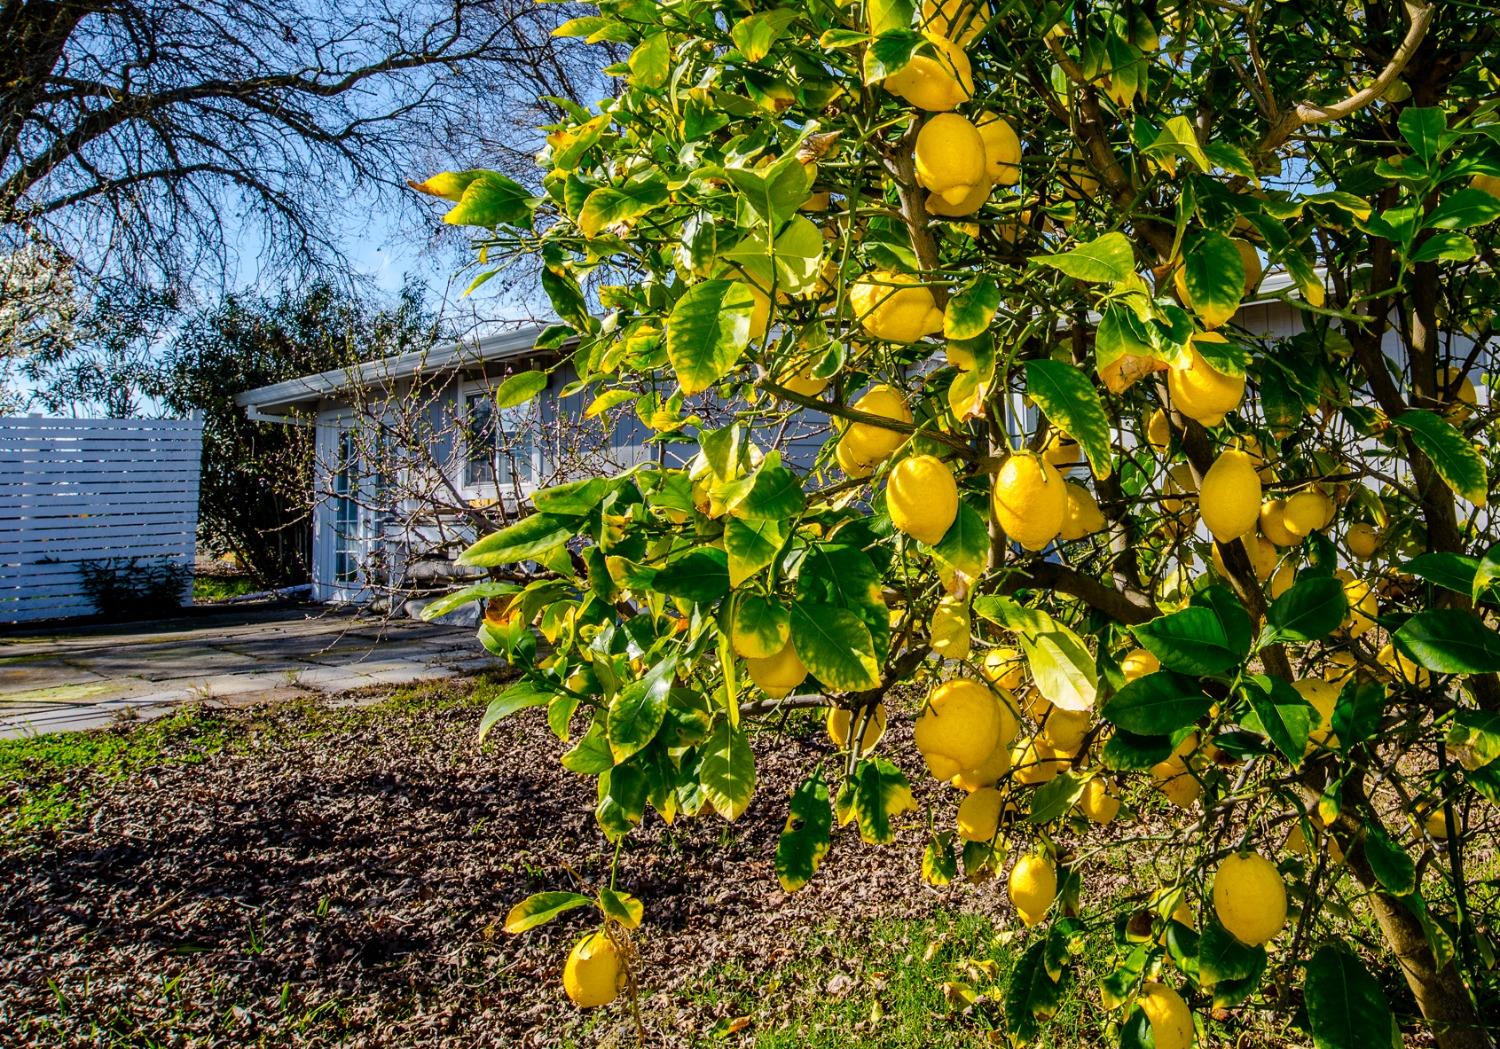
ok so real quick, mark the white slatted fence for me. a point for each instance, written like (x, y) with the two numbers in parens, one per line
(101, 491)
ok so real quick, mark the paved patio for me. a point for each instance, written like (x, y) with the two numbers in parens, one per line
(75, 679)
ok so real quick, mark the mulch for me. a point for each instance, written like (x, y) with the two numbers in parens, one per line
(347, 888)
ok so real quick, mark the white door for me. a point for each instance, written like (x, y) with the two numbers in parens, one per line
(348, 517)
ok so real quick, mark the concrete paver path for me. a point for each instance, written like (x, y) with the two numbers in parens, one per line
(86, 677)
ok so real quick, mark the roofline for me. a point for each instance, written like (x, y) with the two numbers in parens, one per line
(279, 399)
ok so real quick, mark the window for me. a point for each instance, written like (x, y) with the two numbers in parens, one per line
(503, 455)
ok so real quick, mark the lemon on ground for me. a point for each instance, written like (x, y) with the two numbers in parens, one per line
(938, 82)
(1032, 887)
(1273, 523)
(1364, 607)
(970, 203)
(1229, 497)
(1322, 696)
(1097, 803)
(868, 443)
(851, 466)
(1306, 512)
(1363, 540)
(1083, 516)
(959, 728)
(592, 973)
(1003, 668)
(841, 724)
(777, 675)
(949, 632)
(1138, 663)
(1065, 729)
(894, 306)
(922, 498)
(950, 158)
(1202, 392)
(1250, 898)
(989, 771)
(1002, 149)
(1401, 668)
(979, 814)
(1171, 1021)
(1159, 431)
(1030, 500)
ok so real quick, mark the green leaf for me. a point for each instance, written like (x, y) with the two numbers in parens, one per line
(805, 838)
(966, 545)
(755, 34)
(1450, 641)
(1071, 402)
(1178, 137)
(651, 62)
(1345, 1006)
(1456, 459)
(727, 771)
(573, 498)
(1356, 713)
(521, 541)
(835, 644)
(700, 576)
(886, 15)
(708, 330)
(1109, 259)
(493, 200)
(1448, 246)
(622, 907)
(1191, 641)
(566, 297)
(1055, 797)
(1281, 713)
(1462, 209)
(609, 205)
(637, 711)
(1423, 127)
(519, 696)
(1129, 752)
(1233, 618)
(1485, 574)
(474, 592)
(751, 546)
(888, 53)
(939, 865)
(1221, 957)
(1214, 275)
(773, 193)
(1032, 993)
(1157, 704)
(764, 618)
(969, 313)
(1450, 571)
(520, 388)
(1312, 608)
(877, 793)
(590, 757)
(541, 908)
(773, 492)
(1393, 868)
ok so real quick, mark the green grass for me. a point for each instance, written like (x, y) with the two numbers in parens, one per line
(217, 588)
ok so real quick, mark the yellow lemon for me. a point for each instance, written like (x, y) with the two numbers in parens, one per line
(593, 973)
(894, 307)
(1159, 432)
(1364, 607)
(1202, 392)
(950, 628)
(959, 728)
(1261, 552)
(1061, 450)
(1003, 668)
(1453, 382)
(1083, 516)
(1030, 500)
(922, 498)
(1322, 696)
(1179, 481)
(1097, 803)
(1251, 259)
(1065, 729)
(990, 771)
(851, 466)
(1002, 149)
(1174, 777)
(777, 675)
(1363, 540)
(1138, 663)
(936, 83)
(869, 443)
(1250, 898)
(979, 815)
(971, 202)
(1032, 887)
(1282, 580)
(960, 20)
(1341, 666)
(1171, 1021)
(1402, 668)
(1306, 512)
(1489, 183)
(1035, 761)
(1273, 523)
(841, 724)
(803, 382)
(950, 157)
(1229, 498)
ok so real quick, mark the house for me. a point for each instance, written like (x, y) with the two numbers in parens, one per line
(412, 460)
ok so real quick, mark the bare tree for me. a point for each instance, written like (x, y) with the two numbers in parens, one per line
(146, 138)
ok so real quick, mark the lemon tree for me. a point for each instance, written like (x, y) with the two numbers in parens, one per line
(1150, 346)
